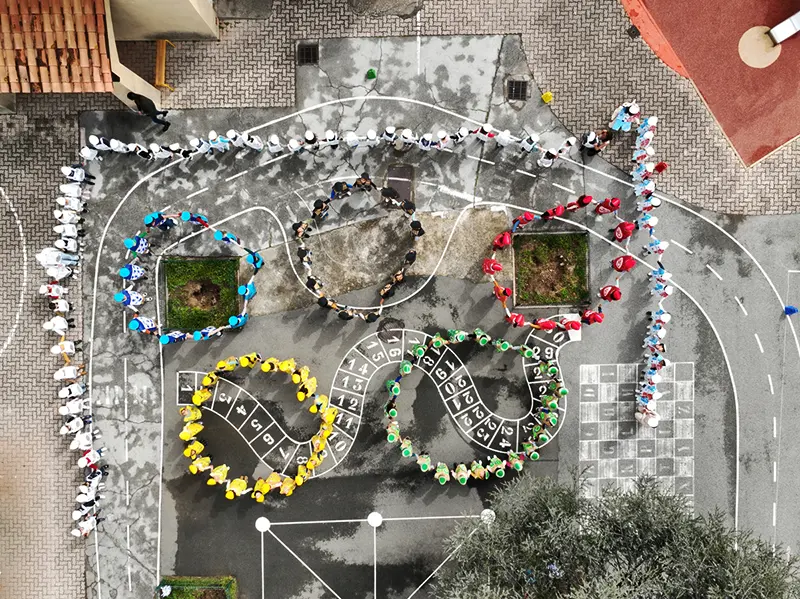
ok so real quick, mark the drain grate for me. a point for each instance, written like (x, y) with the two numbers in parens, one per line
(307, 54)
(517, 90)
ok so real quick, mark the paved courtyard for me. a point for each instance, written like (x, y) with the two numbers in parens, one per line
(727, 329)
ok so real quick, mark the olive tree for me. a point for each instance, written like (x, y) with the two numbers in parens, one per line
(548, 540)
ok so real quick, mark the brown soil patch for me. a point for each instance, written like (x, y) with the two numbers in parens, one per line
(203, 295)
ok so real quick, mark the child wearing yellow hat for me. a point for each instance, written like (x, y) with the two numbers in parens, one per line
(210, 379)
(300, 375)
(193, 449)
(201, 395)
(307, 388)
(190, 431)
(270, 365)
(236, 487)
(191, 413)
(249, 360)
(200, 464)
(218, 475)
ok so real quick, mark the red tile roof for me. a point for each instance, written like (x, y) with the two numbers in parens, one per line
(53, 46)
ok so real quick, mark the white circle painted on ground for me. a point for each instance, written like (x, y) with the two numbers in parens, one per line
(263, 524)
(375, 519)
(488, 516)
(756, 48)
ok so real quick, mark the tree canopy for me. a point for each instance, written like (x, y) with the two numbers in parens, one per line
(548, 541)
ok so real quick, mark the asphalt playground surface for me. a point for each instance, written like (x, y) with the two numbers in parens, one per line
(726, 324)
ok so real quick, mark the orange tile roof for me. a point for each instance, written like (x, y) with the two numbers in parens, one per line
(53, 46)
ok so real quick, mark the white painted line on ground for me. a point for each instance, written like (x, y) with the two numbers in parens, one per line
(262, 566)
(439, 567)
(318, 522)
(774, 427)
(760, 347)
(128, 560)
(714, 272)
(741, 305)
(127, 493)
(479, 159)
(198, 192)
(771, 388)
(161, 432)
(231, 178)
(126, 450)
(302, 563)
(521, 172)
(458, 194)
(683, 247)
(165, 208)
(774, 472)
(125, 385)
(774, 513)
(564, 188)
(794, 270)
(427, 518)
(419, 46)
(375, 559)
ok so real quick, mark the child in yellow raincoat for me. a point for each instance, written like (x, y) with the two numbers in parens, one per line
(307, 388)
(193, 449)
(320, 404)
(210, 379)
(270, 365)
(200, 464)
(249, 360)
(236, 488)
(218, 475)
(300, 375)
(201, 395)
(191, 413)
(190, 431)
(288, 486)
(260, 490)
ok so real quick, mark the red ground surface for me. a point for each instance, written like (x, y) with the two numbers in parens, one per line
(758, 109)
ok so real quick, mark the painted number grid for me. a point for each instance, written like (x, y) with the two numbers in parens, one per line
(615, 449)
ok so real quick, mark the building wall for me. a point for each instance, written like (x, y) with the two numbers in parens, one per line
(164, 19)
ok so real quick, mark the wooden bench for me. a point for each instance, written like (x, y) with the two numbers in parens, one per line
(161, 64)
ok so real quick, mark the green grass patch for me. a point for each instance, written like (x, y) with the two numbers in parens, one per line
(201, 292)
(551, 269)
(201, 587)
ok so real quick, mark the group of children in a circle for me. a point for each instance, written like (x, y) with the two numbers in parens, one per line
(218, 474)
(546, 416)
(61, 261)
(301, 229)
(624, 118)
(140, 245)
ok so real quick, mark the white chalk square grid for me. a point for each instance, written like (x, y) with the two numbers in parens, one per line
(615, 449)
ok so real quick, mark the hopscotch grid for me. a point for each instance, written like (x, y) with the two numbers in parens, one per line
(596, 441)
